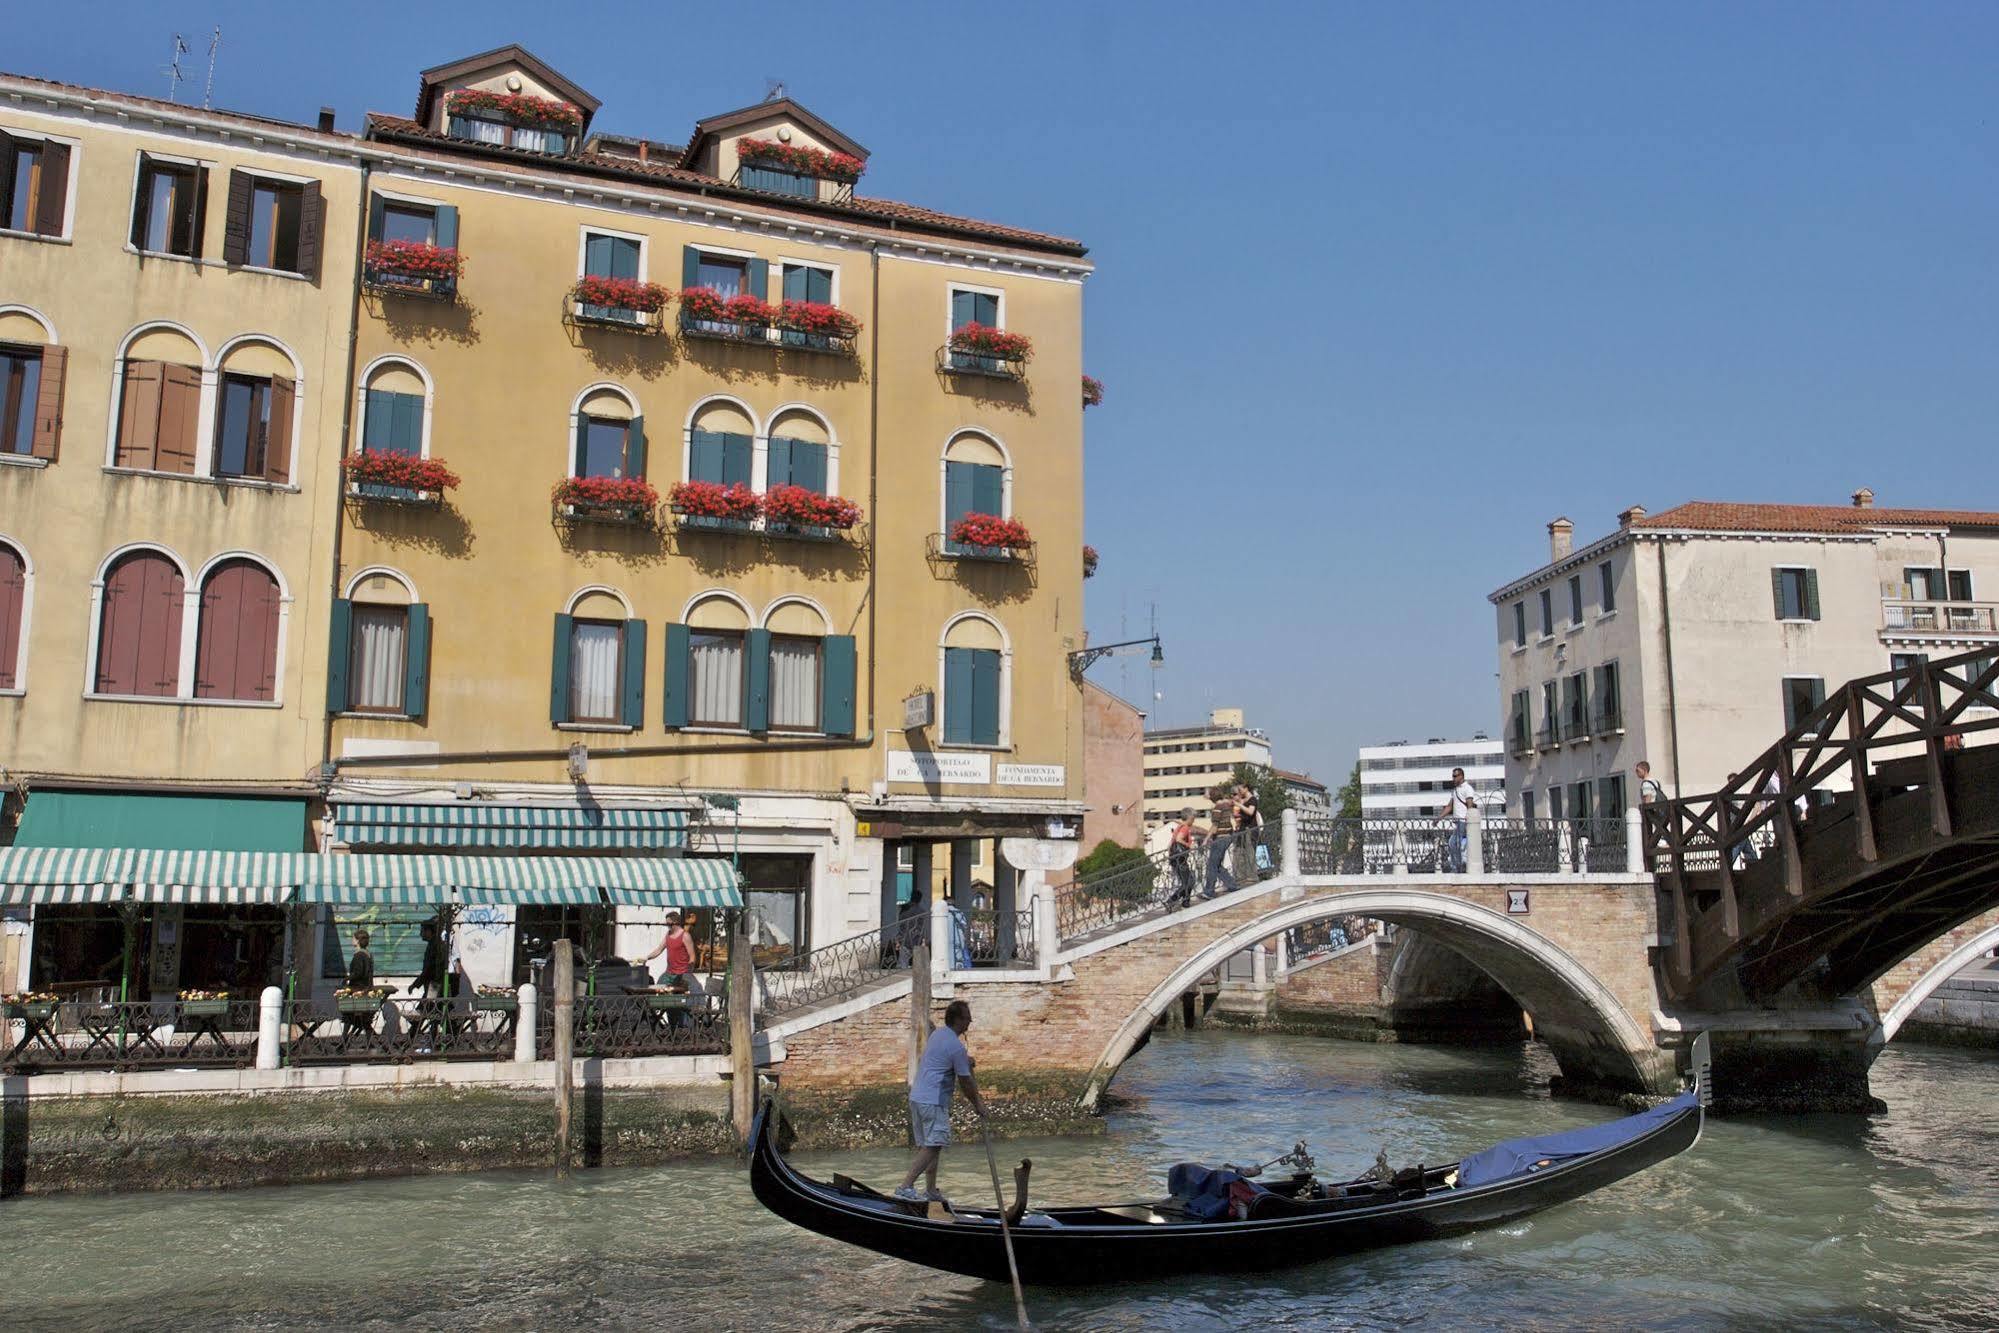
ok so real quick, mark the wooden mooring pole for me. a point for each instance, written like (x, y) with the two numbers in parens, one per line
(742, 1031)
(563, 1010)
(919, 1005)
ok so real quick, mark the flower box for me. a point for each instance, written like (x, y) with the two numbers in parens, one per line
(397, 478)
(505, 1002)
(33, 1011)
(516, 108)
(816, 326)
(710, 504)
(413, 267)
(606, 499)
(796, 511)
(618, 302)
(799, 158)
(987, 536)
(203, 1003)
(368, 1003)
(1093, 391)
(977, 349)
(706, 313)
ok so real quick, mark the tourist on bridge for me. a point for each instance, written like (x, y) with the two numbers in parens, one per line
(1180, 857)
(1221, 832)
(944, 1065)
(1648, 790)
(1249, 827)
(1464, 800)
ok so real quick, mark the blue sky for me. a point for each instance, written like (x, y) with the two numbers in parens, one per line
(1381, 288)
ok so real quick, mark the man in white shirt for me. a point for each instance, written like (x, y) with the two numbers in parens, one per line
(944, 1064)
(1464, 799)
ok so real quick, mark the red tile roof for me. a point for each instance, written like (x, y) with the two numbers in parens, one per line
(1728, 516)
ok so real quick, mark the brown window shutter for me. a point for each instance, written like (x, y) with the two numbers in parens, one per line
(141, 195)
(13, 601)
(278, 443)
(53, 192)
(48, 404)
(180, 416)
(236, 221)
(198, 210)
(139, 414)
(6, 174)
(311, 229)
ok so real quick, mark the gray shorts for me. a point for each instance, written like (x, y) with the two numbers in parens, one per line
(932, 1123)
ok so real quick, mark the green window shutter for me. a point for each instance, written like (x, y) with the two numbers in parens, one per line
(690, 266)
(837, 682)
(597, 256)
(673, 709)
(819, 286)
(635, 455)
(406, 428)
(985, 696)
(808, 466)
(738, 451)
(957, 492)
(576, 429)
(558, 674)
(378, 213)
(632, 703)
(1818, 694)
(339, 648)
(794, 282)
(447, 239)
(1811, 594)
(957, 695)
(704, 456)
(756, 700)
(624, 259)
(988, 488)
(379, 426)
(760, 278)
(961, 309)
(1777, 592)
(416, 662)
(777, 469)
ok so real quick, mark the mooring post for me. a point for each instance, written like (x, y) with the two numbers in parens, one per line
(270, 1021)
(564, 1012)
(527, 1012)
(742, 1031)
(1634, 841)
(1288, 858)
(1475, 841)
(919, 1005)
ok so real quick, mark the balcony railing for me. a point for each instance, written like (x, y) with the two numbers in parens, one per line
(1911, 617)
(981, 363)
(1576, 729)
(765, 335)
(1520, 740)
(1550, 735)
(1609, 720)
(391, 283)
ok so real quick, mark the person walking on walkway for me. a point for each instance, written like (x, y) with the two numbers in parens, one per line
(1180, 857)
(1220, 835)
(1249, 829)
(1648, 790)
(1464, 800)
(944, 1065)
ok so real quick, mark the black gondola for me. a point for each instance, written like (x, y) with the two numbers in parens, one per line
(1295, 1221)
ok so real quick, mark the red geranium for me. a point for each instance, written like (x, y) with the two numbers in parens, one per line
(710, 306)
(520, 108)
(816, 317)
(1089, 562)
(990, 531)
(1093, 391)
(983, 340)
(621, 293)
(406, 471)
(610, 492)
(802, 508)
(413, 259)
(711, 499)
(801, 159)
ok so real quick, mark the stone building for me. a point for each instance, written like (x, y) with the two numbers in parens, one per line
(1113, 769)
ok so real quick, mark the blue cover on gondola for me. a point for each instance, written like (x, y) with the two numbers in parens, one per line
(1204, 1189)
(1518, 1156)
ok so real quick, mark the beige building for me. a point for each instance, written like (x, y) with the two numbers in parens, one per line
(1694, 638)
(1183, 764)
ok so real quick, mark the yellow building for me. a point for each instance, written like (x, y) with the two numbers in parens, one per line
(338, 510)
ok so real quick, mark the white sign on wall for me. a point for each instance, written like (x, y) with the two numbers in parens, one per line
(1032, 775)
(934, 767)
(1038, 853)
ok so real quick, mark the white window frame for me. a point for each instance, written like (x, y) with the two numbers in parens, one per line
(586, 230)
(68, 232)
(944, 475)
(783, 261)
(952, 289)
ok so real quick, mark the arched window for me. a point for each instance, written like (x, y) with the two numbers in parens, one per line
(975, 480)
(600, 662)
(139, 626)
(13, 615)
(256, 400)
(236, 645)
(797, 647)
(721, 444)
(798, 453)
(977, 666)
(609, 435)
(379, 654)
(718, 663)
(395, 415)
(31, 382)
(159, 403)
(787, 674)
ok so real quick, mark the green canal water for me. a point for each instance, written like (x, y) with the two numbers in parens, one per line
(1801, 1221)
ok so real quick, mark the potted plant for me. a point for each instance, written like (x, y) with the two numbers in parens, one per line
(989, 534)
(814, 324)
(618, 499)
(360, 1000)
(392, 476)
(1089, 562)
(1093, 391)
(993, 351)
(515, 108)
(711, 504)
(412, 265)
(36, 1006)
(204, 1003)
(706, 312)
(796, 509)
(618, 300)
(799, 158)
(496, 1000)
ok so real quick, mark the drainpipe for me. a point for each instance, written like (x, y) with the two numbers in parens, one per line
(347, 395)
(1672, 698)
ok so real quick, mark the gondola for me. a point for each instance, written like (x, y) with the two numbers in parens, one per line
(1255, 1226)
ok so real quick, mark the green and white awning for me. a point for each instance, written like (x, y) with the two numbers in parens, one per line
(98, 874)
(482, 824)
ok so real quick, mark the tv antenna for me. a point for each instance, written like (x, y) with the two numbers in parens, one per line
(174, 76)
(214, 45)
(773, 89)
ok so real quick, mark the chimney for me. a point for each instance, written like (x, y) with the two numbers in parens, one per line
(1629, 516)
(1863, 498)
(642, 152)
(326, 120)
(1561, 539)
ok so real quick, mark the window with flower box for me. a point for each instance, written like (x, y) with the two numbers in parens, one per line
(619, 263)
(391, 424)
(512, 120)
(778, 180)
(724, 296)
(974, 483)
(609, 447)
(412, 247)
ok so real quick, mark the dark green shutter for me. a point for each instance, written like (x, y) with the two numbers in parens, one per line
(958, 490)
(837, 680)
(632, 704)
(738, 454)
(961, 309)
(985, 696)
(957, 695)
(558, 673)
(760, 278)
(447, 239)
(378, 213)
(808, 466)
(704, 456)
(406, 437)
(777, 468)
(577, 426)
(416, 662)
(635, 455)
(988, 488)
(690, 266)
(673, 706)
(1777, 592)
(597, 257)
(756, 703)
(1811, 594)
(338, 649)
(794, 282)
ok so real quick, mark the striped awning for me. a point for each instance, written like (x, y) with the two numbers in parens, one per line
(97, 874)
(481, 824)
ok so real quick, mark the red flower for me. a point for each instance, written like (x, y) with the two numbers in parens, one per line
(413, 259)
(801, 159)
(998, 343)
(1093, 391)
(711, 499)
(620, 492)
(991, 532)
(402, 470)
(1089, 562)
(710, 306)
(816, 317)
(802, 508)
(520, 108)
(621, 293)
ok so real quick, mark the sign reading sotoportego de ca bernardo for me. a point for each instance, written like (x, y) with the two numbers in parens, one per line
(1032, 775)
(935, 766)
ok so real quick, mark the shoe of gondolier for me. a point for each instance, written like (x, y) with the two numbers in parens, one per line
(910, 1194)
(935, 1196)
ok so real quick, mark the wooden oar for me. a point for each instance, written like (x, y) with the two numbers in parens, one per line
(1006, 1232)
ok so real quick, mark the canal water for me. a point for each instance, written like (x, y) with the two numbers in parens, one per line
(1828, 1222)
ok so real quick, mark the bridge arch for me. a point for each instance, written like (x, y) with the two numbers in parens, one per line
(1593, 1035)
(1926, 985)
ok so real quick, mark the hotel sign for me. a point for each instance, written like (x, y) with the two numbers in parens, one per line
(935, 768)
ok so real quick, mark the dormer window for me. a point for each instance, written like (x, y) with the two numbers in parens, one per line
(512, 120)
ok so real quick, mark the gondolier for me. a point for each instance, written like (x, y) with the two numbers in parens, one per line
(945, 1064)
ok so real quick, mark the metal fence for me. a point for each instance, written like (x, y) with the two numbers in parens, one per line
(621, 1027)
(1166, 880)
(993, 938)
(808, 978)
(1436, 847)
(403, 1028)
(133, 1034)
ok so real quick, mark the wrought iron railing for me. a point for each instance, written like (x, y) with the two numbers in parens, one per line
(983, 938)
(133, 1034)
(835, 971)
(623, 1027)
(1431, 846)
(398, 1029)
(1165, 881)
(955, 362)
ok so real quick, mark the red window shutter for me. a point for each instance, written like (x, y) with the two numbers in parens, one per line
(138, 642)
(236, 652)
(236, 219)
(139, 414)
(52, 194)
(48, 404)
(13, 599)
(180, 416)
(278, 443)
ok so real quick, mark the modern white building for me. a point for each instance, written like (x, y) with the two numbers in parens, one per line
(1182, 764)
(1410, 780)
(1696, 637)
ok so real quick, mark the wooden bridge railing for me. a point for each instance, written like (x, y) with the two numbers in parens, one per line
(1927, 704)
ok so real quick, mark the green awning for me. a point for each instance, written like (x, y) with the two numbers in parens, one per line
(73, 819)
(484, 824)
(563, 895)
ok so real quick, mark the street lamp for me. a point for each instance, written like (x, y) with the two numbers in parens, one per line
(1084, 658)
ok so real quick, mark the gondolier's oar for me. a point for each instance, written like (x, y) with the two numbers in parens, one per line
(1006, 1232)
